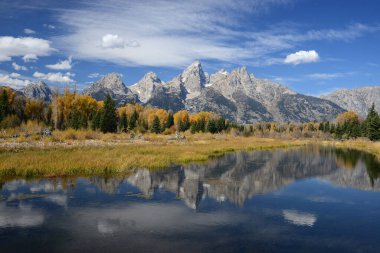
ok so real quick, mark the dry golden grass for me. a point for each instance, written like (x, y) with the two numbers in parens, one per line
(121, 158)
(360, 144)
(86, 152)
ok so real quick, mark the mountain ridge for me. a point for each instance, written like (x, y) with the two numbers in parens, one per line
(237, 95)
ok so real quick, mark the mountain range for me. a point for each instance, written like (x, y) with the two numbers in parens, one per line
(237, 96)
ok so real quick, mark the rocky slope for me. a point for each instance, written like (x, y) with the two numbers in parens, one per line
(358, 100)
(239, 96)
(113, 86)
(38, 90)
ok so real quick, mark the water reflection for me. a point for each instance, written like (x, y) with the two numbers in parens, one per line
(303, 199)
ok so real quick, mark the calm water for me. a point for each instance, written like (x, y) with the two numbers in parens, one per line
(297, 200)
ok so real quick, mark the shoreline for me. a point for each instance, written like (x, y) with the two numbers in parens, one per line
(100, 157)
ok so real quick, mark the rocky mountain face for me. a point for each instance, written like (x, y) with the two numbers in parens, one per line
(145, 88)
(111, 85)
(238, 96)
(358, 100)
(38, 90)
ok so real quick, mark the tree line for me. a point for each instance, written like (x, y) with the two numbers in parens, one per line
(72, 110)
(347, 125)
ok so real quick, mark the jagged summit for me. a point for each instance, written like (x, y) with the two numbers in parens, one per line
(37, 90)
(237, 95)
(112, 85)
(146, 86)
(193, 79)
(357, 99)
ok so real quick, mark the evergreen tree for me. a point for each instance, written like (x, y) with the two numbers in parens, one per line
(185, 124)
(363, 128)
(96, 120)
(221, 125)
(133, 120)
(156, 125)
(373, 124)
(123, 122)
(211, 126)
(194, 127)
(108, 120)
(75, 121)
(169, 121)
(321, 126)
(4, 105)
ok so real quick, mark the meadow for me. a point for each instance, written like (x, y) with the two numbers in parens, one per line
(89, 153)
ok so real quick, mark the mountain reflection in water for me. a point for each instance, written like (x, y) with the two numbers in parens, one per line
(308, 199)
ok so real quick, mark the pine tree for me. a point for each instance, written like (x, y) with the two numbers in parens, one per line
(169, 121)
(133, 120)
(321, 126)
(221, 125)
(211, 126)
(373, 124)
(194, 127)
(95, 121)
(4, 105)
(108, 120)
(75, 121)
(156, 125)
(123, 122)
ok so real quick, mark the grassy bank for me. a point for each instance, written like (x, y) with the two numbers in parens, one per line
(112, 155)
(122, 157)
(363, 145)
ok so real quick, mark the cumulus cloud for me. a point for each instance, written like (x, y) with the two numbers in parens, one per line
(14, 75)
(30, 58)
(13, 80)
(55, 77)
(27, 47)
(299, 218)
(112, 41)
(29, 31)
(17, 67)
(61, 65)
(302, 57)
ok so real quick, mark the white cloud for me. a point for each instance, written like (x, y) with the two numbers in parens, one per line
(13, 81)
(30, 58)
(188, 30)
(14, 75)
(328, 76)
(29, 31)
(299, 218)
(55, 77)
(18, 67)
(325, 76)
(302, 57)
(94, 75)
(27, 47)
(61, 65)
(49, 26)
(112, 41)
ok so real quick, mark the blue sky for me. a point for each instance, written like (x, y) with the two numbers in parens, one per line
(313, 47)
